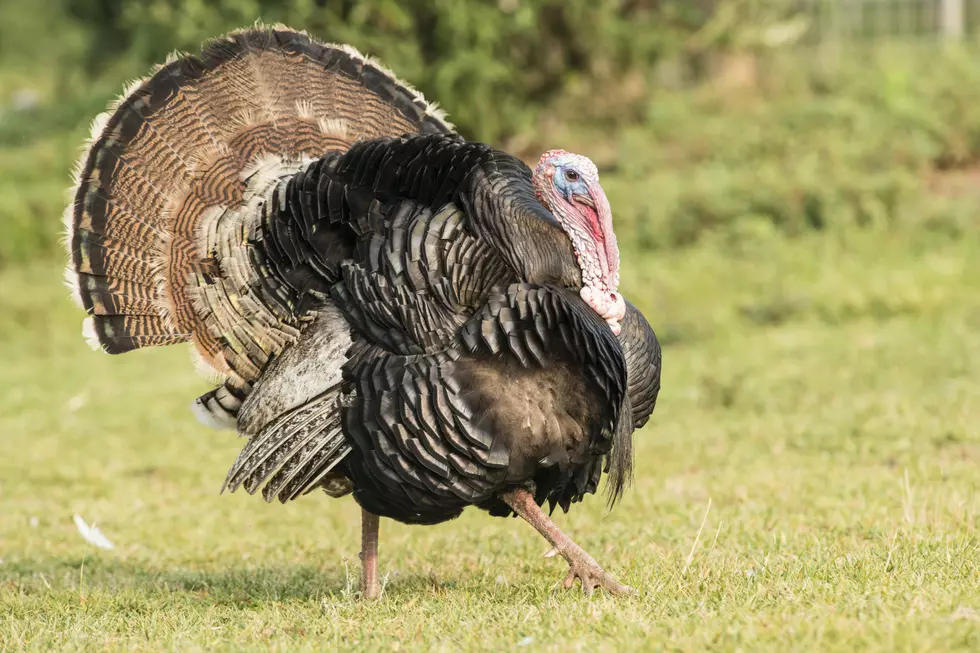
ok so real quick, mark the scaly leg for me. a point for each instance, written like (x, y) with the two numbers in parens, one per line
(370, 588)
(581, 564)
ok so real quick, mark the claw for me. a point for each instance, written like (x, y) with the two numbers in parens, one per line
(593, 577)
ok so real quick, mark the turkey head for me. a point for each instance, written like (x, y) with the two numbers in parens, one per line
(568, 185)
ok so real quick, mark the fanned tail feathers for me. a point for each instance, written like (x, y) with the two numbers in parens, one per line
(174, 176)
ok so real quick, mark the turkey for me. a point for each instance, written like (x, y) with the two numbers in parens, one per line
(387, 309)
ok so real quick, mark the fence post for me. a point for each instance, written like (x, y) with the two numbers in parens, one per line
(952, 18)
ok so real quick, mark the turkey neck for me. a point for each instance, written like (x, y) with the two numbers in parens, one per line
(535, 245)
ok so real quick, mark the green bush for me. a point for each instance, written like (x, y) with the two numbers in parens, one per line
(493, 62)
(804, 152)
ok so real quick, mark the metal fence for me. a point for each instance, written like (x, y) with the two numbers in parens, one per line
(864, 20)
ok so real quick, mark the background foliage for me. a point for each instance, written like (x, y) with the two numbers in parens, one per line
(796, 138)
(706, 111)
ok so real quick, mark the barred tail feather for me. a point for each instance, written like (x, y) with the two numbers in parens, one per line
(293, 454)
(173, 179)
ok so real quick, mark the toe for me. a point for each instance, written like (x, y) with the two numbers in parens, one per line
(618, 589)
(569, 579)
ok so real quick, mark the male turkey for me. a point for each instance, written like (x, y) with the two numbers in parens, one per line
(391, 310)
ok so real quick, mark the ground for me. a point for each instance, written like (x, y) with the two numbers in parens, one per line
(809, 481)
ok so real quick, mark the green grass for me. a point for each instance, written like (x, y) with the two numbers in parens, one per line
(820, 395)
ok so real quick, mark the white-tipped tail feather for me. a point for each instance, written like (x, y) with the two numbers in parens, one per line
(71, 282)
(217, 420)
(91, 337)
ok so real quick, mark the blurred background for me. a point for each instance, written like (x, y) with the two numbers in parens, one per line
(795, 188)
(720, 115)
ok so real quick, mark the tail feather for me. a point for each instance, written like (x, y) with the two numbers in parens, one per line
(217, 408)
(292, 454)
(175, 174)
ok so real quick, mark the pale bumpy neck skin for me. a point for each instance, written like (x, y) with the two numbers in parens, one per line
(568, 184)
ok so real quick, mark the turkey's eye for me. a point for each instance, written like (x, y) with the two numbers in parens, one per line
(571, 175)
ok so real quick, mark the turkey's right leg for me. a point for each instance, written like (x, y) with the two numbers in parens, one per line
(370, 587)
(580, 564)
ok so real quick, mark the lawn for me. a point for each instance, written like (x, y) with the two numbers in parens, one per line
(808, 482)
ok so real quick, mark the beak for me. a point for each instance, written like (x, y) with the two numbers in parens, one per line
(582, 198)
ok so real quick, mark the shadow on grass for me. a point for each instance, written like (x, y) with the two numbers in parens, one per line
(237, 586)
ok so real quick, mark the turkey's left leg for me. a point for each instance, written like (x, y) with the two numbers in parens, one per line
(581, 564)
(370, 588)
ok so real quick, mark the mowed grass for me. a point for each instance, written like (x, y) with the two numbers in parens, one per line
(810, 481)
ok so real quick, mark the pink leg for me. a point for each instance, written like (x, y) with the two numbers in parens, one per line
(370, 588)
(581, 564)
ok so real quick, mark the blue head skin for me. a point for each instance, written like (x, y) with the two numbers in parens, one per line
(570, 182)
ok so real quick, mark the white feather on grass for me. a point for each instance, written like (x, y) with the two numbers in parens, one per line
(91, 534)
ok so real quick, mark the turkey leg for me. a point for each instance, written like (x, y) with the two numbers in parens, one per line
(370, 588)
(581, 564)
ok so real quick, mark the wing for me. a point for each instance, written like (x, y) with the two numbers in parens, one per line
(643, 362)
(292, 416)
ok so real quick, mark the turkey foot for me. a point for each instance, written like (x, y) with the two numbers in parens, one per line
(581, 564)
(370, 588)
